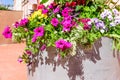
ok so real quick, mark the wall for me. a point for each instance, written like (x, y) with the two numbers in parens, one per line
(17, 5)
(8, 18)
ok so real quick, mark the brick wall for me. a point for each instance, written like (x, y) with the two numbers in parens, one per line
(8, 18)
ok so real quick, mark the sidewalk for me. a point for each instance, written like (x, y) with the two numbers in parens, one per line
(10, 69)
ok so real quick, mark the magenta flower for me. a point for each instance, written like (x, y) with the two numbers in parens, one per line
(68, 45)
(20, 60)
(87, 27)
(34, 38)
(28, 52)
(7, 32)
(41, 6)
(16, 24)
(43, 47)
(51, 6)
(54, 22)
(67, 27)
(65, 13)
(23, 22)
(56, 10)
(44, 11)
(39, 31)
(62, 44)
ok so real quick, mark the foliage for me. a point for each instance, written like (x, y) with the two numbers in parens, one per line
(3, 8)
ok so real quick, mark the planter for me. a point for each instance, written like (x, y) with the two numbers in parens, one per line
(99, 63)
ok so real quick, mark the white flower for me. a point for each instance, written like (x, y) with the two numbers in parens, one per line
(89, 23)
(110, 17)
(115, 11)
(102, 30)
(58, 15)
(112, 24)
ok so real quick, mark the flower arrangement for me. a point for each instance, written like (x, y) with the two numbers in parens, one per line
(64, 24)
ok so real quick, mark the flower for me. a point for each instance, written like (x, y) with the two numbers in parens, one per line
(23, 22)
(20, 60)
(44, 11)
(100, 25)
(34, 38)
(65, 12)
(7, 32)
(39, 31)
(87, 23)
(115, 11)
(56, 10)
(41, 6)
(54, 22)
(43, 47)
(112, 24)
(16, 24)
(28, 52)
(62, 44)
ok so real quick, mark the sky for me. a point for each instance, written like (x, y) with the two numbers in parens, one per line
(6, 2)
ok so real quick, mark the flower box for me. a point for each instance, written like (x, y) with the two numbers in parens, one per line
(99, 63)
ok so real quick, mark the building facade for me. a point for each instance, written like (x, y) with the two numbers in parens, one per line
(17, 5)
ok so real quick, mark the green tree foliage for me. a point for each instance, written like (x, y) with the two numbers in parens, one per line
(3, 8)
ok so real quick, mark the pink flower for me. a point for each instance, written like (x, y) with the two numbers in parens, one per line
(44, 11)
(7, 32)
(28, 52)
(67, 27)
(87, 27)
(62, 44)
(23, 22)
(56, 9)
(20, 60)
(16, 24)
(39, 31)
(85, 23)
(54, 22)
(51, 6)
(41, 6)
(66, 11)
(43, 47)
(34, 38)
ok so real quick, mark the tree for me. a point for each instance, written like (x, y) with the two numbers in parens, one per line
(3, 8)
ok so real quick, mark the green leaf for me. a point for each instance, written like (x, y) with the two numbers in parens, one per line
(44, 1)
(78, 7)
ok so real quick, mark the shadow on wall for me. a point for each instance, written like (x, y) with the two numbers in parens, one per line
(72, 64)
(7, 18)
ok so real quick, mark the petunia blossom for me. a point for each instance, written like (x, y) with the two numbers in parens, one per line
(16, 25)
(56, 10)
(43, 47)
(39, 31)
(44, 11)
(20, 60)
(41, 6)
(63, 44)
(34, 38)
(7, 33)
(23, 22)
(28, 52)
(54, 22)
